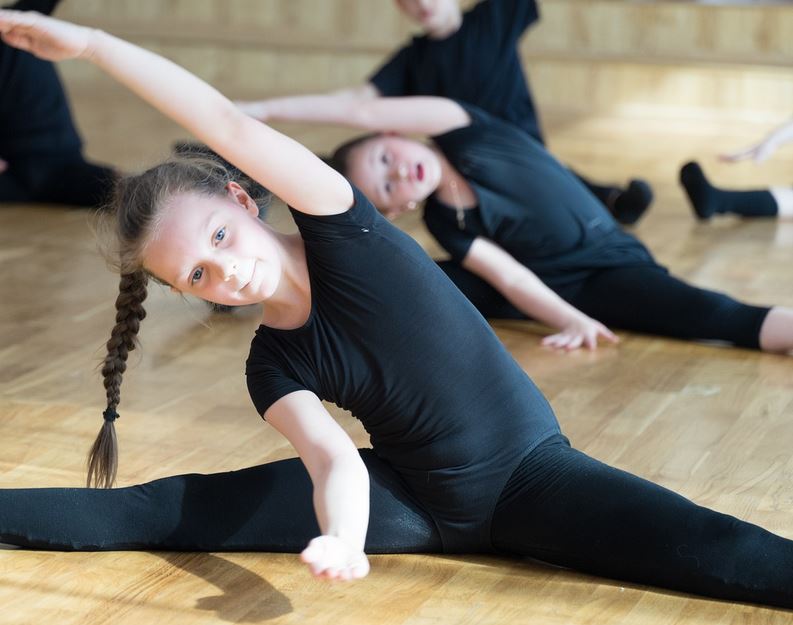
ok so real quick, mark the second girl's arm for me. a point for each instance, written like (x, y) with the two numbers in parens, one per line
(307, 107)
(524, 290)
(425, 115)
(340, 479)
(279, 163)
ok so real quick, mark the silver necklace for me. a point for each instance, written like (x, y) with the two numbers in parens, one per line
(458, 205)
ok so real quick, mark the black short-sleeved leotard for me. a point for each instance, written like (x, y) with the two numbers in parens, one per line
(477, 64)
(393, 341)
(529, 204)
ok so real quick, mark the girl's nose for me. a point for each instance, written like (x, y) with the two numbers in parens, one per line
(229, 269)
(402, 171)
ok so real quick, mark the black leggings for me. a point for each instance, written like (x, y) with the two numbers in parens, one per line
(559, 506)
(38, 137)
(56, 179)
(643, 298)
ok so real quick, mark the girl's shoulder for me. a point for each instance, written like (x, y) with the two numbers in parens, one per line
(359, 219)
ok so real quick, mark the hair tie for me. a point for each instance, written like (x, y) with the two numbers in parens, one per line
(110, 414)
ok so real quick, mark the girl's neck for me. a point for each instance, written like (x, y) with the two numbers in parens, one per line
(290, 306)
(453, 189)
(450, 26)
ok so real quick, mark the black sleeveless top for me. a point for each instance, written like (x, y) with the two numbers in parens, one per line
(477, 64)
(393, 341)
(529, 204)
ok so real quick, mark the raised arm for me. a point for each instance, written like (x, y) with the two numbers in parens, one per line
(304, 107)
(279, 163)
(524, 290)
(761, 151)
(341, 484)
(425, 115)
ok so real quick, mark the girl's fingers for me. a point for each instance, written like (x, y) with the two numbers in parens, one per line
(609, 335)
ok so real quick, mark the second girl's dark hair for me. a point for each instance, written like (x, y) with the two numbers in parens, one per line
(136, 205)
(340, 158)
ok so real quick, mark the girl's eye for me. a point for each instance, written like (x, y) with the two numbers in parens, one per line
(384, 159)
(220, 235)
(196, 275)
(387, 187)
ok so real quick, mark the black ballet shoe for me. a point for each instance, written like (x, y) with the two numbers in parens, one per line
(633, 202)
(698, 190)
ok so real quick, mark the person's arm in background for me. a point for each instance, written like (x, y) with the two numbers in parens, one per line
(761, 151)
(526, 292)
(304, 107)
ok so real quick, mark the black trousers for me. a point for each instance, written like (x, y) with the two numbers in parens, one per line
(559, 506)
(642, 298)
(38, 137)
(65, 178)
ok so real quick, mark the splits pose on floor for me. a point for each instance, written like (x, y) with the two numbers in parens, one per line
(357, 314)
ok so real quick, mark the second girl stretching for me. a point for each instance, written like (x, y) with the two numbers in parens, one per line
(463, 460)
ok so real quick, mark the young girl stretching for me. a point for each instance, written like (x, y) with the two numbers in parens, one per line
(463, 459)
(472, 57)
(526, 238)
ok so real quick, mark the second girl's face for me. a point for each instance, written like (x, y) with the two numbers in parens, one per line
(430, 14)
(214, 247)
(395, 173)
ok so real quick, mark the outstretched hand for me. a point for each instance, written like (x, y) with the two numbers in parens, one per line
(758, 153)
(583, 331)
(46, 37)
(330, 557)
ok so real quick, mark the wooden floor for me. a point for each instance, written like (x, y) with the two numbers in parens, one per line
(713, 423)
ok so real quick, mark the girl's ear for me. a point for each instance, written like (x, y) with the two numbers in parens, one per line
(241, 197)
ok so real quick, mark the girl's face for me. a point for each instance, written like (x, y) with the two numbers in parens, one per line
(395, 173)
(214, 247)
(432, 15)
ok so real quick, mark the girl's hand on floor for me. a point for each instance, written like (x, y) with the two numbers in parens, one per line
(48, 38)
(582, 331)
(330, 557)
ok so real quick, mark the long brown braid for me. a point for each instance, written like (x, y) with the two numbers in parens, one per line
(103, 457)
(136, 203)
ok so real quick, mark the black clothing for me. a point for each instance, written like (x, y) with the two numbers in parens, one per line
(559, 506)
(263, 508)
(533, 208)
(529, 204)
(478, 64)
(563, 507)
(639, 299)
(372, 346)
(37, 136)
(707, 200)
(467, 454)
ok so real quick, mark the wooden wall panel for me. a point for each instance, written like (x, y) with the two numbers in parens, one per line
(599, 56)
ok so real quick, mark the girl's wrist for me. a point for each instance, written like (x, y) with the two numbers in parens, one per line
(93, 41)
